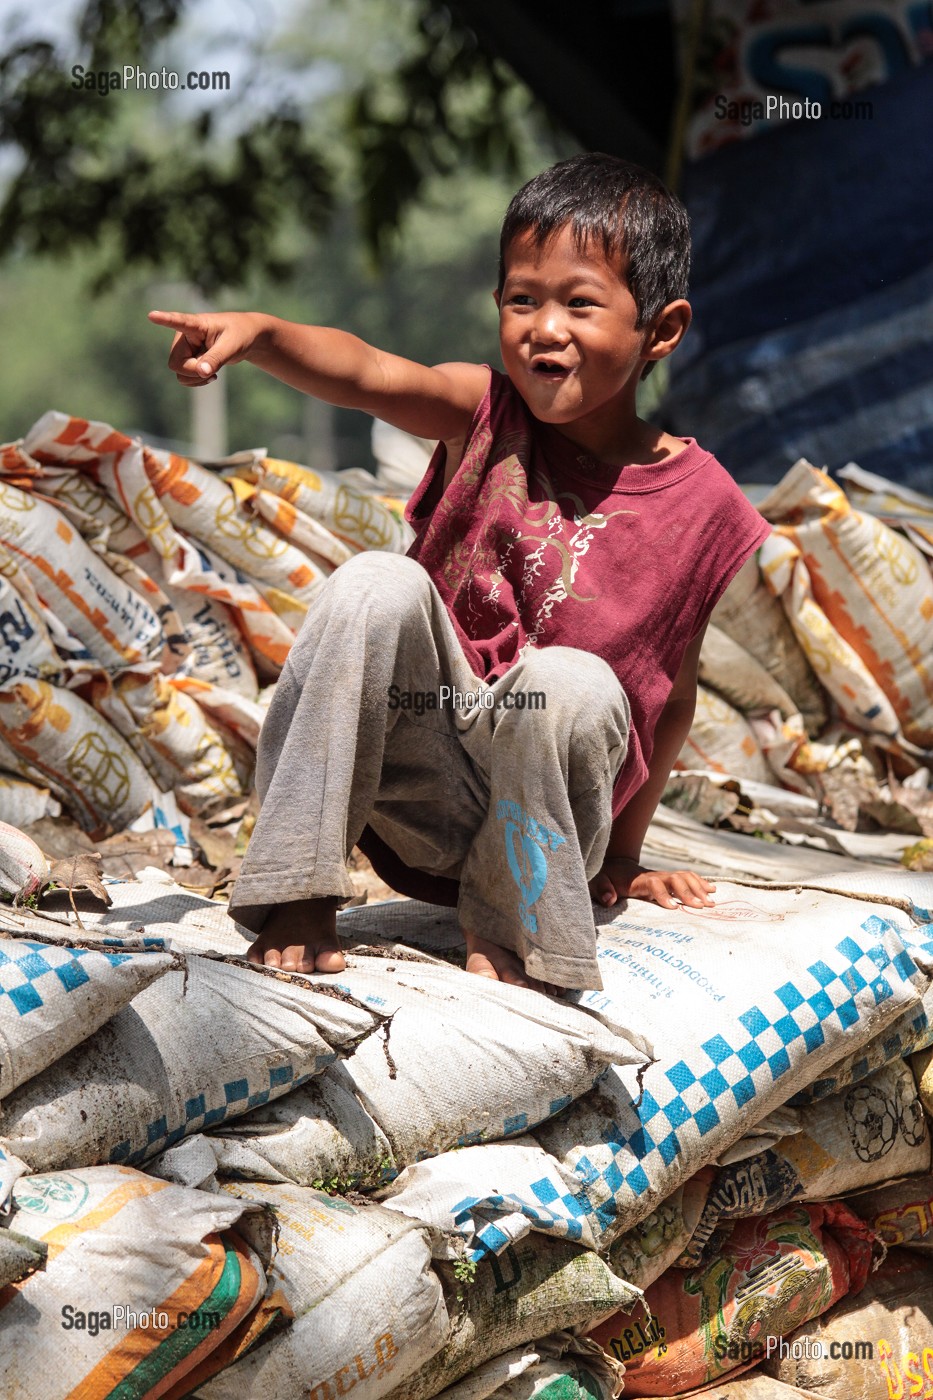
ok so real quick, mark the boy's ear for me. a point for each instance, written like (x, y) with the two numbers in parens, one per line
(497, 297)
(667, 330)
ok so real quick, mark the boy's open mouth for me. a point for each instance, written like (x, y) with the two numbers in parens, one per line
(550, 367)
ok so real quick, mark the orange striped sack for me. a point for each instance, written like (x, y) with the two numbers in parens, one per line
(143, 1281)
(860, 597)
(116, 464)
(117, 624)
(721, 740)
(360, 520)
(84, 761)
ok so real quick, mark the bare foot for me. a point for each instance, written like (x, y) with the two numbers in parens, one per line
(300, 937)
(487, 959)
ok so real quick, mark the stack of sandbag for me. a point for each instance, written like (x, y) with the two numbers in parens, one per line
(133, 1284)
(373, 1315)
(369, 1309)
(599, 1182)
(766, 1248)
(535, 1162)
(873, 1346)
(679, 983)
(144, 599)
(815, 669)
(203, 1044)
(461, 1063)
(145, 1289)
(222, 1040)
(769, 1276)
(872, 1132)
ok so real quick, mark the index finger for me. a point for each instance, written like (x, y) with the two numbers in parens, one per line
(176, 320)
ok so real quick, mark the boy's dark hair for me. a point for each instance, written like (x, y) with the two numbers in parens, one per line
(636, 220)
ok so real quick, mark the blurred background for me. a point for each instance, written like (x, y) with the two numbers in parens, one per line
(348, 162)
(354, 174)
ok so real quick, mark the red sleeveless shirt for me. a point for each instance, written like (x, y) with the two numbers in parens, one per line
(535, 543)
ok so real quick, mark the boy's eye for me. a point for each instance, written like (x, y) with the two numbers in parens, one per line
(580, 301)
(520, 299)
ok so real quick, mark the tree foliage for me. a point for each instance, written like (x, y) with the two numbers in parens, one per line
(189, 199)
(453, 106)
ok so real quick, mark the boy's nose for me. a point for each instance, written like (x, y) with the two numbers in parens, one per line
(551, 326)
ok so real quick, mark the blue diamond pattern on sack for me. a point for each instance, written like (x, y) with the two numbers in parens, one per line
(196, 1049)
(745, 1002)
(53, 996)
(748, 1002)
(911, 1032)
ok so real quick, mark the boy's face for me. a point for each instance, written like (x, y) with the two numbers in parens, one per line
(567, 330)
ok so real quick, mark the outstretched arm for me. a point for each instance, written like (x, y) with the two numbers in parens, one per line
(622, 875)
(432, 401)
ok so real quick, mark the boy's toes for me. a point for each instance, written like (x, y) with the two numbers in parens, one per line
(480, 966)
(311, 957)
(262, 956)
(486, 959)
(327, 959)
(297, 957)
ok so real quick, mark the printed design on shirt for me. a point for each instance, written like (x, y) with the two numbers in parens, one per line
(468, 476)
(527, 842)
(545, 551)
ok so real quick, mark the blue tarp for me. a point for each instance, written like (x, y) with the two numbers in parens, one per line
(813, 295)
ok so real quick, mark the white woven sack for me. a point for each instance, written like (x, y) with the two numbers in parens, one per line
(890, 883)
(747, 1002)
(722, 740)
(482, 1200)
(130, 1265)
(179, 1059)
(114, 622)
(318, 1132)
(750, 616)
(537, 1288)
(913, 1030)
(462, 1061)
(152, 911)
(52, 997)
(368, 1307)
(61, 739)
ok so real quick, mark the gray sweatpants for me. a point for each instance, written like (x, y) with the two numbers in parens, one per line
(514, 800)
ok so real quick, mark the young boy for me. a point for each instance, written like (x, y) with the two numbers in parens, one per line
(567, 558)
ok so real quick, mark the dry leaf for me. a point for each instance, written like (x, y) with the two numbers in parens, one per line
(81, 873)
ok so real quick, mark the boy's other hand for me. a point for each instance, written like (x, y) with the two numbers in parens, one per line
(622, 878)
(206, 342)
